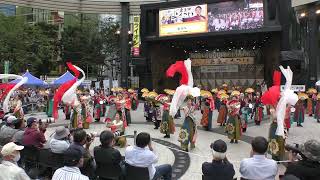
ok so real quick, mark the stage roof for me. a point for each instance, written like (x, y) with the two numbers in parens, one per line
(83, 6)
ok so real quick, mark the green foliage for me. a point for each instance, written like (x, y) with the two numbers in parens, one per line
(26, 46)
(91, 42)
(86, 40)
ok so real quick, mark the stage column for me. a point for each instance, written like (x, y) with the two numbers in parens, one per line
(124, 41)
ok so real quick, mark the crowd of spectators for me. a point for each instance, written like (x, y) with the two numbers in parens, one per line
(107, 161)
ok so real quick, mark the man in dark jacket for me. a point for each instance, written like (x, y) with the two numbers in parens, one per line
(220, 168)
(107, 156)
(309, 167)
(33, 136)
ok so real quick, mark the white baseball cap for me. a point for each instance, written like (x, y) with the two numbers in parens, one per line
(10, 148)
(11, 119)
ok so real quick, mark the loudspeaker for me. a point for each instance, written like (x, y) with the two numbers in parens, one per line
(272, 9)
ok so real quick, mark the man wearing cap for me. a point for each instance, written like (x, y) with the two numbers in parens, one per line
(73, 160)
(4, 119)
(220, 168)
(60, 141)
(7, 131)
(309, 167)
(33, 136)
(8, 167)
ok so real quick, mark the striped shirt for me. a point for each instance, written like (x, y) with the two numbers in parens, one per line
(69, 173)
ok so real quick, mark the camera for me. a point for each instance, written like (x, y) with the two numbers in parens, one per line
(46, 121)
(89, 138)
(294, 149)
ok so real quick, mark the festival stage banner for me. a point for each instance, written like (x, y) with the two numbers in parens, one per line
(295, 88)
(223, 61)
(183, 20)
(219, 68)
(136, 36)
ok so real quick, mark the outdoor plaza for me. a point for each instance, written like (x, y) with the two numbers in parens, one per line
(159, 89)
(187, 166)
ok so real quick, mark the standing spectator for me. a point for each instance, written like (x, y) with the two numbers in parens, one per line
(73, 160)
(105, 155)
(142, 156)
(258, 166)
(33, 136)
(60, 141)
(19, 125)
(7, 131)
(8, 167)
(220, 168)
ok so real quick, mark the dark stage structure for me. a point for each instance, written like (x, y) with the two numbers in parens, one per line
(238, 42)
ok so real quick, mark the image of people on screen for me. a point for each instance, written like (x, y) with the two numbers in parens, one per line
(183, 14)
(197, 17)
(235, 15)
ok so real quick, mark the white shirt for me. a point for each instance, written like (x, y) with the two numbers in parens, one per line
(10, 171)
(58, 146)
(141, 157)
(68, 173)
(119, 125)
(258, 168)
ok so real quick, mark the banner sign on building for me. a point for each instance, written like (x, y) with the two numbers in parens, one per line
(97, 85)
(183, 20)
(106, 83)
(115, 83)
(295, 88)
(217, 69)
(6, 69)
(223, 61)
(136, 36)
(86, 83)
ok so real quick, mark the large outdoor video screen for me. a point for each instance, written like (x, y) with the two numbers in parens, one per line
(235, 15)
(183, 20)
(224, 16)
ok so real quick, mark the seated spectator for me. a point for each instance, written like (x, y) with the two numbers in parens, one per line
(33, 136)
(220, 168)
(60, 141)
(141, 155)
(290, 177)
(8, 167)
(105, 154)
(258, 166)
(18, 136)
(307, 168)
(7, 131)
(4, 119)
(116, 126)
(80, 139)
(73, 161)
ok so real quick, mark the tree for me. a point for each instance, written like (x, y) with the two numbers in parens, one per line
(91, 42)
(26, 46)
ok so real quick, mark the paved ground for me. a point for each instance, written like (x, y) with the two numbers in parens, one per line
(202, 153)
